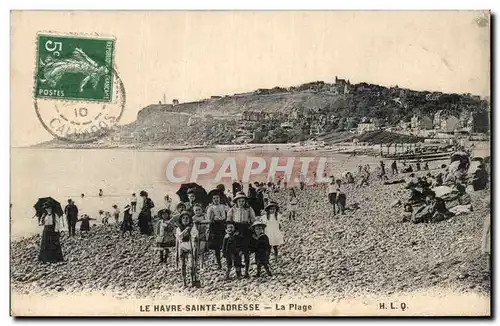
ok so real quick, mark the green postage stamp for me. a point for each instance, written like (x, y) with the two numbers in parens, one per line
(74, 67)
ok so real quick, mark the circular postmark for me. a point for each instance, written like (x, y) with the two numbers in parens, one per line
(78, 121)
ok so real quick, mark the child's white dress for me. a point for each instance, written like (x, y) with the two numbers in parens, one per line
(272, 230)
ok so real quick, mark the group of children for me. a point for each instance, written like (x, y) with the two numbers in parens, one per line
(235, 232)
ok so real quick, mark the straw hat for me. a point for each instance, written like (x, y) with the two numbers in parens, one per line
(258, 222)
(239, 195)
(271, 204)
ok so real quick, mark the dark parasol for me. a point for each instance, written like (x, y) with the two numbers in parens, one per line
(199, 191)
(47, 201)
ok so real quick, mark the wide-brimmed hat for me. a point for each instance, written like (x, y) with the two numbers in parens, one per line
(239, 195)
(258, 222)
(185, 213)
(127, 207)
(163, 211)
(271, 204)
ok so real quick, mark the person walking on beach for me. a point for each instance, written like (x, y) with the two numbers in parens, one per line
(382, 168)
(302, 181)
(341, 197)
(217, 215)
(145, 214)
(50, 248)
(100, 193)
(71, 212)
(127, 224)
(332, 193)
(85, 224)
(116, 213)
(292, 204)
(133, 203)
(243, 216)
(394, 167)
(273, 227)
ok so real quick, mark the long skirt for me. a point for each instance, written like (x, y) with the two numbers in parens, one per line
(50, 248)
(216, 235)
(145, 223)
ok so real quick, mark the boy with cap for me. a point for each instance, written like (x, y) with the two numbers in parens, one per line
(262, 247)
(232, 249)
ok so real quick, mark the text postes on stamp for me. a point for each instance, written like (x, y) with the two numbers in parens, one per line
(81, 122)
(74, 67)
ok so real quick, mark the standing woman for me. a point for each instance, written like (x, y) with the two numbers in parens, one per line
(332, 193)
(217, 215)
(243, 217)
(145, 214)
(50, 248)
(273, 227)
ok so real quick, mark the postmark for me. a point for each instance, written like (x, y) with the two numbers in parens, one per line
(78, 94)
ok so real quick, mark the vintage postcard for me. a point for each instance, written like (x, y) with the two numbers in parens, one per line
(239, 163)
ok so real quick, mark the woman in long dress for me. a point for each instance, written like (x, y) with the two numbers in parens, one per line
(273, 227)
(50, 248)
(145, 220)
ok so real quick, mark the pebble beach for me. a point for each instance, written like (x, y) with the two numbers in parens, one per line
(369, 250)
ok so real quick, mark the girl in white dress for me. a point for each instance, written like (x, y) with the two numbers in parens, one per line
(273, 228)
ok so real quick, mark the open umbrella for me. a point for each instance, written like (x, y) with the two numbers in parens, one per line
(47, 201)
(199, 191)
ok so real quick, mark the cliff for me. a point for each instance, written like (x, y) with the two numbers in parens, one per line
(289, 114)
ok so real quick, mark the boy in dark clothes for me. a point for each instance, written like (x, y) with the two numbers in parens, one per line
(85, 225)
(232, 250)
(262, 247)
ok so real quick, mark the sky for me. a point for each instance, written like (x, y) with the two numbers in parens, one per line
(193, 55)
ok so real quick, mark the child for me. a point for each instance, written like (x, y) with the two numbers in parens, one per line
(133, 203)
(341, 198)
(116, 213)
(85, 226)
(201, 224)
(292, 204)
(232, 250)
(273, 227)
(262, 247)
(164, 234)
(185, 236)
(332, 193)
(105, 219)
(127, 224)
